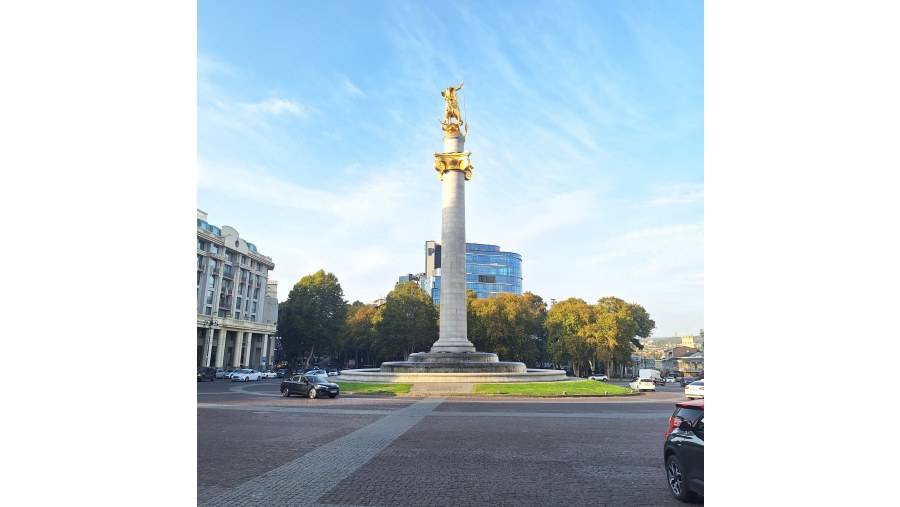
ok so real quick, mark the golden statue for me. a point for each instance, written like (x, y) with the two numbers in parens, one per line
(452, 109)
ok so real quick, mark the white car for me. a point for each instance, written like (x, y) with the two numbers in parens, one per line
(694, 389)
(245, 375)
(604, 378)
(320, 373)
(670, 379)
(269, 374)
(643, 384)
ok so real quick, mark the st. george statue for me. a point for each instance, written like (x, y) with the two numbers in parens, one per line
(452, 109)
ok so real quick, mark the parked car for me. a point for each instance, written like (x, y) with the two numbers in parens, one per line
(228, 373)
(643, 384)
(269, 374)
(690, 410)
(603, 378)
(683, 457)
(687, 379)
(205, 373)
(281, 373)
(312, 386)
(220, 373)
(694, 389)
(245, 375)
(333, 373)
(321, 373)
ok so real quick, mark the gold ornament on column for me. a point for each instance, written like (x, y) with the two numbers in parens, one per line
(444, 162)
(451, 111)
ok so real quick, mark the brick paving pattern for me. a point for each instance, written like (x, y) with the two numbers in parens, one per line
(429, 451)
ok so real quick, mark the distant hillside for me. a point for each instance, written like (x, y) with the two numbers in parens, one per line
(662, 341)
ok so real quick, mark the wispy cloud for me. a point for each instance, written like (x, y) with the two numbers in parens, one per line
(275, 107)
(650, 250)
(351, 88)
(676, 194)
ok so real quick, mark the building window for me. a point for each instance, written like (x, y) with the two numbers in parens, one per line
(201, 245)
(254, 307)
(209, 297)
(238, 303)
(211, 282)
(256, 293)
(237, 315)
(229, 256)
(213, 248)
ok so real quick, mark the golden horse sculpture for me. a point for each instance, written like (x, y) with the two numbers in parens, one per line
(452, 109)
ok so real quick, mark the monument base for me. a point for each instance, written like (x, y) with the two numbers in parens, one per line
(453, 362)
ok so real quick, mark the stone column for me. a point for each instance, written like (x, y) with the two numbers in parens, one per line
(453, 333)
(220, 349)
(248, 341)
(238, 344)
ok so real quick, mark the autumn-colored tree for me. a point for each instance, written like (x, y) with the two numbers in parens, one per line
(508, 325)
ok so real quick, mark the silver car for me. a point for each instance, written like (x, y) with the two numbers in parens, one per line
(245, 375)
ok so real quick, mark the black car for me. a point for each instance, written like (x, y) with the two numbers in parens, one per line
(282, 373)
(204, 373)
(683, 455)
(312, 386)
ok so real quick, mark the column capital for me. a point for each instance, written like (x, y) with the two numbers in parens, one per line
(444, 162)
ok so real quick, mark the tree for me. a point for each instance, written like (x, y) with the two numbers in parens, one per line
(624, 323)
(360, 332)
(508, 325)
(566, 325)
(313, 316)
(406, 323)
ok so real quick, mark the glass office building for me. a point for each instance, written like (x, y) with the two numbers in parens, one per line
(489, 270)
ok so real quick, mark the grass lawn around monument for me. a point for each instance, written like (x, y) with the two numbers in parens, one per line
(372, 388)
(568, 388)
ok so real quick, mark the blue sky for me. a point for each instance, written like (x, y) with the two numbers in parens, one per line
(317, 123)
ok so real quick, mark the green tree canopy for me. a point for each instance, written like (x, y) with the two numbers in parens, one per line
(508, 325)
(587, 334)
(360, 332)
(407, 322)
(313, 316)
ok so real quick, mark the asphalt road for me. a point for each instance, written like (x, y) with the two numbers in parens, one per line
(255, 447)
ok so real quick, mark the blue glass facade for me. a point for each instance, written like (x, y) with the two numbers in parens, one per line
(489, 271)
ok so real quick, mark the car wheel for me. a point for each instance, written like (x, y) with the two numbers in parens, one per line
(676, 481)
(312, 393)
(285, 392)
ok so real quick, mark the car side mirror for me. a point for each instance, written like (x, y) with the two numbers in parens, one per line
(685, 426)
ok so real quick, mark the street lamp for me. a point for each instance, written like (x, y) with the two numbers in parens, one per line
(209, 325)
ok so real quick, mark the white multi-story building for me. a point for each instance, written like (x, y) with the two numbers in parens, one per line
(237, 306)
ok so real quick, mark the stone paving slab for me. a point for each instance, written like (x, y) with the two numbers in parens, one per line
(455, 451)
(441, 388)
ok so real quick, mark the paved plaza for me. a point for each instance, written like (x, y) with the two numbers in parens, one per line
(257, 448)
